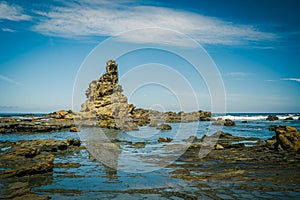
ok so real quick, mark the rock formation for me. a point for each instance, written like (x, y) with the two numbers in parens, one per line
(105, 102)
(287, 138)
(107, 106)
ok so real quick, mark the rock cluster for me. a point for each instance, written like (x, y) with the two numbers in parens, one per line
(108, 107)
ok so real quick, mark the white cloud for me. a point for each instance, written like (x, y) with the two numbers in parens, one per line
(291, 79)
(94, 19)
(4, 78)
(7, 30)
(12, 12)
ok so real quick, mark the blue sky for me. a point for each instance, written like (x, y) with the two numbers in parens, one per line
(254, 44)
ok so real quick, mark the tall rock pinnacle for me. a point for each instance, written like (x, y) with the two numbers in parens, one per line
(106, 103)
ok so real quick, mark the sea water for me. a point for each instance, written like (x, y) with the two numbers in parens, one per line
(95, 180)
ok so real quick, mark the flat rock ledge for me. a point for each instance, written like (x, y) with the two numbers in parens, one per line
(28, 158)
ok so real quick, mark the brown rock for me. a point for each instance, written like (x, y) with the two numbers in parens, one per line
(164, 139)
(164, 127)
(74, 129)
(287, 138)
(219, 147)
(221, 122)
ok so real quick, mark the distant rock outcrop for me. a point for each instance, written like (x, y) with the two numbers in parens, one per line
(272, 118)
(226, 122)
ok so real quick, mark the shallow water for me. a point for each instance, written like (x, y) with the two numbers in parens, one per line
(144, 172)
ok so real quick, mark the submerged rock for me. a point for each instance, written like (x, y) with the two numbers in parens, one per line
(164, 127)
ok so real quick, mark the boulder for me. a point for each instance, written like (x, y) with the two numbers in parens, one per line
(287, 138)
(221, 122)
(61, 114)
(288, 118)
(272, 118)
(164, 127)
(164, 139)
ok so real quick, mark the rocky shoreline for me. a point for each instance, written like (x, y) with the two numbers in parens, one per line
(252, 165)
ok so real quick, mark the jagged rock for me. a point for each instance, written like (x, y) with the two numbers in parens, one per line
(61, 114)
(272, 118)
(287, 138)
(164, 127)
(106, 103)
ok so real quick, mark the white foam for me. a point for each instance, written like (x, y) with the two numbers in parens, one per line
(255, 117)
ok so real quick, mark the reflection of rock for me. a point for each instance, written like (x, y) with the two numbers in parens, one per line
(21, 190)
(139, 145)
(111, 173)
(164, 127)
(272, 118)
(287, 138)
(105, 152)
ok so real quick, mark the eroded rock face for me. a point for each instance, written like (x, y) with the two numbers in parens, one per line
(105, 102)
(287, 138)
(108, 107)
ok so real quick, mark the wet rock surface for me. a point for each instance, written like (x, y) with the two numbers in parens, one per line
(234, 168)
(24, 159)
(241, 171)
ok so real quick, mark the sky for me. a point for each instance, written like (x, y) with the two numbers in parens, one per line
(51, 50)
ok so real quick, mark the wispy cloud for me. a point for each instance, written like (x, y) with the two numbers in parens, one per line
(9, 80)
(291, 79)
(7, 30)
(93, 19)
(237, 74)
(12, 12)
